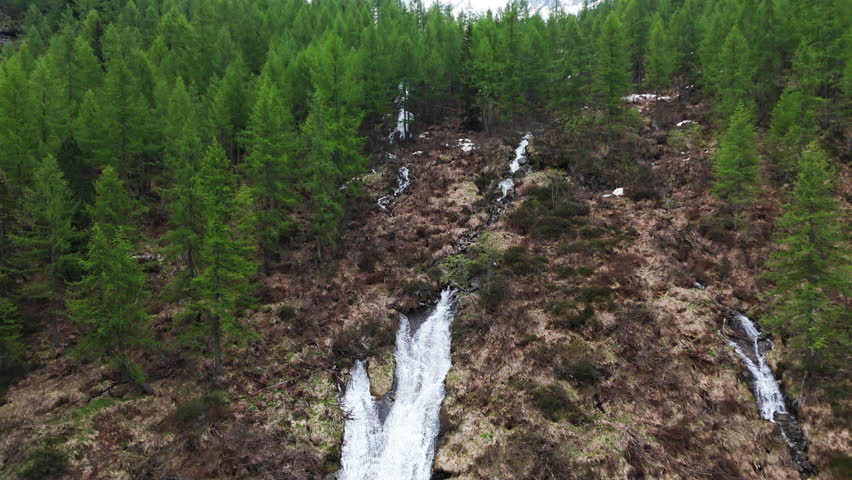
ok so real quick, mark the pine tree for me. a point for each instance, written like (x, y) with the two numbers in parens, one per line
(113, 209)
(612, 66)
(48, 234)
(223, 282)
(108, 303)
(270, 144)
(811, 268)
(736, 167)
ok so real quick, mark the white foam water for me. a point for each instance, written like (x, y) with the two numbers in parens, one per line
(520, 153)
(402, 447)
(402, 183)
(767, 394)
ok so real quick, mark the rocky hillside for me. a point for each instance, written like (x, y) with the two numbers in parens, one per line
(586, 345)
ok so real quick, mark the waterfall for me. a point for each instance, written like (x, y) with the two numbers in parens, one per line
(403, 118)
(767, 393)
(520, 154)
(402, 183)
(401, 444)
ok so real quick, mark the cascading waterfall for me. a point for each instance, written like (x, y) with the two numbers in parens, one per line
(400, 445)
(519, 162)
(750, 346)
(402, 183)
(520, 154)
(767, 394)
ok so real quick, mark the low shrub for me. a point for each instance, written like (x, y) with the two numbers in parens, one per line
(494, 290)
(46, 462)
(192, 410)
(556, 405)
(581, 372)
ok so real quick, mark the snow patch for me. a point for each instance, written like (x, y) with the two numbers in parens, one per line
(645, 97)
(466, 145)
(685, 122)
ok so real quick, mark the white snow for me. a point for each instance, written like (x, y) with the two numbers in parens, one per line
(403, 447)
(685, 122)
(466, 145)
(640, 97)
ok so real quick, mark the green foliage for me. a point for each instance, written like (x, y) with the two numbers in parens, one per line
(271, 143)
(196, 408)
(810, 270)
(736, 166)
(660, 59)
(612, 68)
(113, 210)
(108, 302)
(556, 405)
(47, 234)
(222, 285)
(792, 128)
(45, 463)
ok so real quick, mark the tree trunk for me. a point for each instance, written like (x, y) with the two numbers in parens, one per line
(217, 346)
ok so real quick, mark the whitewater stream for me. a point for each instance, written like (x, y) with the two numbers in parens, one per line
(395, 437)
(751, 347)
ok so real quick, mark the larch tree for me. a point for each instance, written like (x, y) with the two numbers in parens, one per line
(660, 57)
(47, 235)
(18, 138)
(270, 140)
(222, 285)
(736, 167)
(792, 128)
(612, 66)
(113, 209)
(810, 270)
(108, 304)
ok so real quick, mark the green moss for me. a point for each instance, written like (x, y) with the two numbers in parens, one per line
(94, 406)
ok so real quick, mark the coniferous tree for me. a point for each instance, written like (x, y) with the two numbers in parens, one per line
(792, 128)
(223, 282)
(47, 236)
(270, 141)
(108, 303)
(811, 269)
(18, 138)
(731, 75)
(659, 61)
(113, 209)
(11, 349)
(612, 66)
(736, 166)
(49, 110)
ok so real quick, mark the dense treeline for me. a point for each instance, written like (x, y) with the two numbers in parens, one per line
(238, 120)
